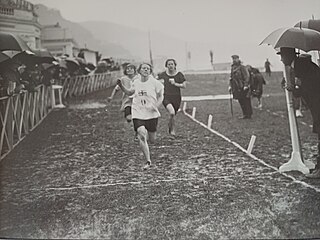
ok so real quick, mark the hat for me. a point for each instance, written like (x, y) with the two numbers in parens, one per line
(287, 50)
(235, 56)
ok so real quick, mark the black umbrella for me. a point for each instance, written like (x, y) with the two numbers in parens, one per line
(91, 66)
(35, 57)
(43, 56)
(311, 24)
(10, 41)
(72, 64)
(54, 64)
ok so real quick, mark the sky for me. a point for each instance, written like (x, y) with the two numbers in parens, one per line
(226, 24)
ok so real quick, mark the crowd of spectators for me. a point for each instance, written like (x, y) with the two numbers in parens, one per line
(22, 72)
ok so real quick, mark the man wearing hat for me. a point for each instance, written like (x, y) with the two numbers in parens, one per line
(305, 76)
(308, 74)
(239, 86)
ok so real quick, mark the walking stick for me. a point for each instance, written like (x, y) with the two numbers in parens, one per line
(231, 104)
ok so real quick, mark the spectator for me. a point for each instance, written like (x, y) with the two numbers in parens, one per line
(239, 86)
(256, 84)
(11, 79)
(307, 85)
(267, 66)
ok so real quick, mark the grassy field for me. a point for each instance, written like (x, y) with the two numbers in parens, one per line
(270, 125)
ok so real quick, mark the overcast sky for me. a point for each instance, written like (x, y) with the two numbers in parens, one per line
(214, 21)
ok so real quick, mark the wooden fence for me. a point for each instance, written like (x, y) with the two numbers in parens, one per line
(22, 112)
(81, 85)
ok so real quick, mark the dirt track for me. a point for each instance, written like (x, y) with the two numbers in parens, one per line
(78, 175)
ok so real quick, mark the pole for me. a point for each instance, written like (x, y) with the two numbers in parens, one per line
(150, 50)
(231, 107)
(187, 55)
(295, 163)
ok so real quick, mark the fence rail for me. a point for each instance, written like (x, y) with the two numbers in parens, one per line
(22, 112)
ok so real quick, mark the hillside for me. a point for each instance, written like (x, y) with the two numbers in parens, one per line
(137, 41)
(82, 36)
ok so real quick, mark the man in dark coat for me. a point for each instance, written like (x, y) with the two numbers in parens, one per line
(239, 86)
(304, 81)
(308, 87)
(267, 66)
(256, 84)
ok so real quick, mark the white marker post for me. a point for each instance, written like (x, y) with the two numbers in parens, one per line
(184, 107)
(295, 163)
(193, 112)
(209, 121)
(251, 143)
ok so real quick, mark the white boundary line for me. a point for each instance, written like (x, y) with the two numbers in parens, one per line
(251, 155)
(147, 182)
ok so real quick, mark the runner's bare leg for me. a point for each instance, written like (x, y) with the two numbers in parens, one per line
(171, 119)
(142, 137)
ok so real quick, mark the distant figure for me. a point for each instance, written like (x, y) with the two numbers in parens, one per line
(267, 66)
(173, 82)
(239, 86)
(256, 84)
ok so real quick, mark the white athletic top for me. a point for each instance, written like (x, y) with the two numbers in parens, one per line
(126, 99)
(145, 98)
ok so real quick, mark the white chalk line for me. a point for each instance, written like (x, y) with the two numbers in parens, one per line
(251, 155)
(152, 182)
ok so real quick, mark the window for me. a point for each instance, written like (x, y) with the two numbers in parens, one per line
(6, 11)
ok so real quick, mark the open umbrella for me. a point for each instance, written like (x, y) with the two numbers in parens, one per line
(54, 64)
(310, 24)
(72, 64)
(43, 56)
(10, 41)
(91, 66)
(306, 40)
(301, 38)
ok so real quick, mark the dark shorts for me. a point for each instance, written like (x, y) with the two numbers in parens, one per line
(127, 111)
(150, 124)
(174, 100)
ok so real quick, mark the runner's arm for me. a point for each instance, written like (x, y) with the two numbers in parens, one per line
(159, 97)
(181, 85)
(114, 91)
(124, 89)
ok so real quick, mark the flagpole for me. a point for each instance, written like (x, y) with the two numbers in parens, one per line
(186, 48)
(150, 50)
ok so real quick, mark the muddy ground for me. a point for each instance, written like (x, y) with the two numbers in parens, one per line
(79, 176)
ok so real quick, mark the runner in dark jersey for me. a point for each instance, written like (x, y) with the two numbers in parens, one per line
(173, 81)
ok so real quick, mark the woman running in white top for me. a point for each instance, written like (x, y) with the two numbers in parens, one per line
(147, 95)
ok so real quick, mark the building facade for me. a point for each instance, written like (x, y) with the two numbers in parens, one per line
(18, 17)
(58, 40)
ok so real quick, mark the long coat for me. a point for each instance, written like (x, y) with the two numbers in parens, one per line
(239, 78)
(309, 74)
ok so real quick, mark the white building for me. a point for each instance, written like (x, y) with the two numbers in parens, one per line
(58, 40)
(19, 17)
